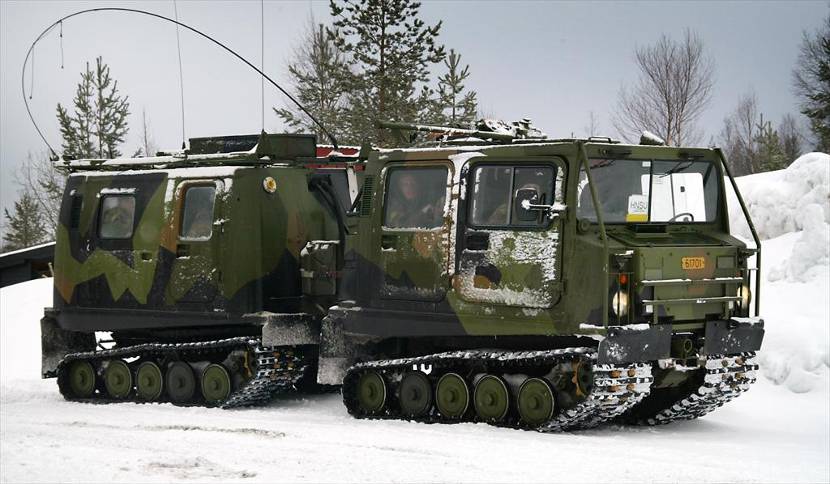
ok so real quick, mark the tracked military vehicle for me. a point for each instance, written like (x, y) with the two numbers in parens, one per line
(192, 262)
(500, 276)
(493, 275)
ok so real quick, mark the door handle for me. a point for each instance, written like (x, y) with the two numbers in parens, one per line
(389, 241)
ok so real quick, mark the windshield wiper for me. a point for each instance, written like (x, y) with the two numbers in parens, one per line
(604, 164)
(677, 168)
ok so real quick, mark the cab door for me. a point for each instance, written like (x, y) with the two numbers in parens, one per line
(413, 250)
(509, 243)
(195, 277)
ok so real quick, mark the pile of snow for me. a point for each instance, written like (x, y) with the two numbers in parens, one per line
(21, 307)
(791, 210)
(777, 199)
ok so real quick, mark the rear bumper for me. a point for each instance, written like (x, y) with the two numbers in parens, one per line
(722, 337)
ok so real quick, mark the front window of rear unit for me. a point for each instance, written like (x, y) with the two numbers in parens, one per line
(197, 214)
(415, 198)
(642, 191)
(117, 215)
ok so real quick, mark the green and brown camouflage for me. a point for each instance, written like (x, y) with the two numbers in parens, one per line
(512, 242)
(264, 205)
(561, 278)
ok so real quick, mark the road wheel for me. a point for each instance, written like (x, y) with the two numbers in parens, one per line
(415, 394)
(216, 384)
(535, 402)
(180, 382)
(149, 383)
(371, 392)
(491, 398)
(452, 396)
(81, 379)
(118, 379)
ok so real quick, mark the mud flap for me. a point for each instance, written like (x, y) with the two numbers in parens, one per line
(733, 336)
(627, 345)
(338, 350)
(55, 343)
(288, 329)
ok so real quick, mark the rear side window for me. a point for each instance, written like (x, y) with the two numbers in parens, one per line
(197, 216)
(117, 217)
(75, 212)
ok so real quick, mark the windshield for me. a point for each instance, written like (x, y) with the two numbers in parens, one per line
(641, 191)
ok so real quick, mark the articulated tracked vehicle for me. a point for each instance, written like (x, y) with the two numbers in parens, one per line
(494, 275)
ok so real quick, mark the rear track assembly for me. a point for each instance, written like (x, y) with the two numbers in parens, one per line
(242, 373)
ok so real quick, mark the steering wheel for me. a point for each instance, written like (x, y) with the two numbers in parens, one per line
(691, 217)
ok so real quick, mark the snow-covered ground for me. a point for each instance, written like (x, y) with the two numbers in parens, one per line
(778, 432)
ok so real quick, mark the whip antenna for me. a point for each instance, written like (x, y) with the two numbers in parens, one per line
(166, 19)
(181, 77)
(262, 59)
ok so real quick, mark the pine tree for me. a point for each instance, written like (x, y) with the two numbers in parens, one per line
(44, 183)
(318, 74)
(454, 106)
(771, 156)
(25, 227)
(790, 138)
(811, 79)
(390, 50)
(99, 123)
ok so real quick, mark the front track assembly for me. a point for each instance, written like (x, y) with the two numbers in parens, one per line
(550, 390)
(231, 372)
(724, 379)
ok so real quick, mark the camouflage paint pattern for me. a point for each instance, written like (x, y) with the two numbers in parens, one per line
(548, 281)
(249, 263)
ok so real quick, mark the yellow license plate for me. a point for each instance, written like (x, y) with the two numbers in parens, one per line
(692, 263)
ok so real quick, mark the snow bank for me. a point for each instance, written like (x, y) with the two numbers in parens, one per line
(21, 307)
(791, 210)
(777, 199)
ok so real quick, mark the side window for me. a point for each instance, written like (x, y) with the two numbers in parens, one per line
(501, 194)
(415, 198)
(117, 217)
(197, 213)
(75, 212)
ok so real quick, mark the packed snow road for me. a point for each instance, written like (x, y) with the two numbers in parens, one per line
(769, 434)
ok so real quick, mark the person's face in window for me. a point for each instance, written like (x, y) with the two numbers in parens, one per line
(408, 187)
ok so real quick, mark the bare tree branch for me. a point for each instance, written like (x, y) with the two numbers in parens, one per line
(673, 89)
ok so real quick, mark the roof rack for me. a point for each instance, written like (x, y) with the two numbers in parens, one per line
(236, 150)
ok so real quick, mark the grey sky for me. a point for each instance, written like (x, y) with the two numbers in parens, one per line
(550, 61)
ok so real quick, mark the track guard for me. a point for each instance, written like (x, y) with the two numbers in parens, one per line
(55, 343)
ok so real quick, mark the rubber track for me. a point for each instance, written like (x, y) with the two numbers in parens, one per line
(610, 397)
(277, 369)
(726, 378)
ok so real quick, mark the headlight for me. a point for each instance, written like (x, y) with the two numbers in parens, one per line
(745, 295)
(619, 303)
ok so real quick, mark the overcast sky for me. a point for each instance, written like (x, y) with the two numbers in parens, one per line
(553, 62)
